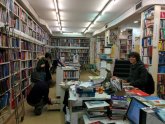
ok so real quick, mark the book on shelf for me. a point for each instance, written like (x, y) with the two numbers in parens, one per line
(4, 56)
(147, 60)
(4, 40)
(4, 70)
(4, 100)
(146, 42)
(161, 45)
(4, 86)
(162, 15)
(162, 23)
(148, 23)
(162, 33)
(148, 32)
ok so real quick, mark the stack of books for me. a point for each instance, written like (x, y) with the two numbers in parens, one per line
(119, 107)
(96, 109)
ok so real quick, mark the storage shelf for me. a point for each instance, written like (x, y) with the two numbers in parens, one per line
(19, 47)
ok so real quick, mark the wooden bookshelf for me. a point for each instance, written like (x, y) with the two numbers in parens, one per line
(19, 48)
(152, 45)
(161, 56)
(125, 44)
(123, 48)
(67, 47)
(147, 37)
(21, 20)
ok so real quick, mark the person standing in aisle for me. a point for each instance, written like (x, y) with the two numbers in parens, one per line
(46, 63)
(55, 63)
(47, 66)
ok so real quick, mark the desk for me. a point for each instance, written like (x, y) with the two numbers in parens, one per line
(105, 121)
(75, 100)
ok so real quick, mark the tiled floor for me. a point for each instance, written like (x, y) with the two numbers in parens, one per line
(49, 117)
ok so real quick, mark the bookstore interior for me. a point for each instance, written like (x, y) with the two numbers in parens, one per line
(96, 36)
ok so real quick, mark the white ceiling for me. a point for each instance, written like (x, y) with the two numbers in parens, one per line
(76, 15)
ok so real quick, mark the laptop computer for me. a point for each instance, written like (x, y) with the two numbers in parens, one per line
(133, 111)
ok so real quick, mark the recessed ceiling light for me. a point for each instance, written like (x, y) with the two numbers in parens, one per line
(136, 22)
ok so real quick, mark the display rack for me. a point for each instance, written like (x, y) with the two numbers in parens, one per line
(68, 73)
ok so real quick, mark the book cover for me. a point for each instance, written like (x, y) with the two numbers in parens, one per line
(152, 98)
(159, 102)
(161, 114)
(138, 92)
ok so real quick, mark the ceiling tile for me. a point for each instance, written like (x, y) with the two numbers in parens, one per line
(38, 4)
(77, 16)
(81, 5)
(75, 24)
(47, 15)
(52, 22)
(72, 29)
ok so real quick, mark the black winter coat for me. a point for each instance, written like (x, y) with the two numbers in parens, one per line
(138, 76)
(39, 91)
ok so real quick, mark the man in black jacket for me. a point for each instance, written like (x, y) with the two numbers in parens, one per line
(38, 96)
(48, 59)
(138, 73)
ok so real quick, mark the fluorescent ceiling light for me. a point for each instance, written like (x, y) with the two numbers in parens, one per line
(110, 5)
(57, 14)
(75, 33)
(102, 5)
(55, 5)
(136, 22)
(92, 25)
(58, 18)
(98, 15)
(52, 6)
(56, 23)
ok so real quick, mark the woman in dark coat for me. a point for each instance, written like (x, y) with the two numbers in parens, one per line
(138, 73)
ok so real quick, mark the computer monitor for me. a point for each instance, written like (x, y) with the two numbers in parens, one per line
(133, 112)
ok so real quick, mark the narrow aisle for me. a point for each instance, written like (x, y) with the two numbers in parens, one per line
(49, 117)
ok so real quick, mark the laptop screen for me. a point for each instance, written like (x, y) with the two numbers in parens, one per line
(133, 112)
